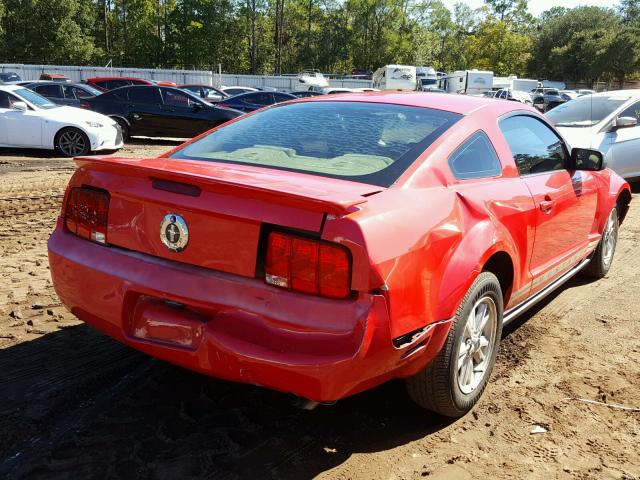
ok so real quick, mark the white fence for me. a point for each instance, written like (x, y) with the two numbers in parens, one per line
(181, 77)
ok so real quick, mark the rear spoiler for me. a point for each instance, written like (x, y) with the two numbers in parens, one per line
(288, 188)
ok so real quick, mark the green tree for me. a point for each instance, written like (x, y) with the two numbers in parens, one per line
(573, 46)
(51, 31)
(495, 47)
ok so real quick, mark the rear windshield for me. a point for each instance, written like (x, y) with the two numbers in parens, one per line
(365, 142)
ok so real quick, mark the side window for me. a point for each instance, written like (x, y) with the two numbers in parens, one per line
(118, 95)
(280, 97)
(49, 91)
(535, 147)
(146, 95)
(475, 158)
(102, 84)
(7, 100)
(194, 90)
(632, 111)
(176, 99)
(259, 98)
(75, 92)
(113, 84)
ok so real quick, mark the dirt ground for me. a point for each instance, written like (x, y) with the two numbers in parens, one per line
(76, 404)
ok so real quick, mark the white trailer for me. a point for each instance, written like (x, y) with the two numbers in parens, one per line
(395, 77)
(524, 84)
(513, 83)
(470, 82)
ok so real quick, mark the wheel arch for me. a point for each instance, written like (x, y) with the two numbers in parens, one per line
(623, 202)
(60, 129)
(490, 248)
(120, 117)
(501, 265)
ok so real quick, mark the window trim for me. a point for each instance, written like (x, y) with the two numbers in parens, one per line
(467, 140)
(137, 88)
(525, 113)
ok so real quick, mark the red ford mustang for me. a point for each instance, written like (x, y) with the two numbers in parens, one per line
(324, 246)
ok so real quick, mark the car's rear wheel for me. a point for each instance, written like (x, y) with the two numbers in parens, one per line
(454, 381)
(124, 128)
(602, 258)
(72, 142)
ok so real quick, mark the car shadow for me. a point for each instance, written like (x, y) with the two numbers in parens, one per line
(159, 142)
(30, 153)
(77, 404)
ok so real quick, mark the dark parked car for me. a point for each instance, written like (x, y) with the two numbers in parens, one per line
(9, 77)
(206, 92)
(154, 111)
(248, 102)
(304, 94)
(105, 84)
(547, 99)
(70, 94)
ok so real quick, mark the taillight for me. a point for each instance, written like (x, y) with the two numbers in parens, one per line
(84, 104)
(86, 213)
(307, 265)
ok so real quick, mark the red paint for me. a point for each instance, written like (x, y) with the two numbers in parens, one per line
(415, 248)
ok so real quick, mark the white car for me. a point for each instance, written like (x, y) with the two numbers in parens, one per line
(569, 94)
(514, 95)
(607, 122)
(28, 120)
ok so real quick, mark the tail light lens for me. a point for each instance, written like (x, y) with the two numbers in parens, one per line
(86, 213)
(84, 104)
(307, 265)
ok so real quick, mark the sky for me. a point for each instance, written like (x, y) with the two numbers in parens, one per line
(536, 7)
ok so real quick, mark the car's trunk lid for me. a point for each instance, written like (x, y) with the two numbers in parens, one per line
(223, 206)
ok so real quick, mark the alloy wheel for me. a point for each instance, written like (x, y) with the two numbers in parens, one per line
(72, 143)
(609, 239)
(476, 344)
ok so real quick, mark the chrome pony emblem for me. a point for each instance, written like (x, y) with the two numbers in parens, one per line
(174, 233)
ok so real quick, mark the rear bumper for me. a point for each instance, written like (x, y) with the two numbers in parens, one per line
(234, 327)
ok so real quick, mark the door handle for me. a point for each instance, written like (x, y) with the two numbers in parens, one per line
(546, 205)
(136, 116)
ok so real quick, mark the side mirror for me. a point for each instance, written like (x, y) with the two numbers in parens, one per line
(625, 122)
(20, 106)
(586, 159)
(197, 107)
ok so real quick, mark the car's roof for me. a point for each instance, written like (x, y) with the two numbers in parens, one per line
(93, 79)
(619, 93)
(462, 104)
(64, 84)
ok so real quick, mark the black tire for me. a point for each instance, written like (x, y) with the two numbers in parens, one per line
(124, 128)
(602, 257)
(437, 386)
(72, 142)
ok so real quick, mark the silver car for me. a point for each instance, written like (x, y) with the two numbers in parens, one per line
(607, 122)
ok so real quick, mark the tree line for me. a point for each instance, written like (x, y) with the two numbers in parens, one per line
(336, 36)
